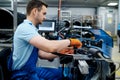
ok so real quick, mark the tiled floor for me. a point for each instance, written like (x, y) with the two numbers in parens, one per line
(116, 59)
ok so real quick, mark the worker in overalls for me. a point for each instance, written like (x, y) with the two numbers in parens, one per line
(28, 45)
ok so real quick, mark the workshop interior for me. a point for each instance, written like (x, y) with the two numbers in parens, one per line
(96, 23)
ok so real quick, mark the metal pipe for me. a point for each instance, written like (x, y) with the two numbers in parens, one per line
(7, 24)
(15, 14)
(59, 9)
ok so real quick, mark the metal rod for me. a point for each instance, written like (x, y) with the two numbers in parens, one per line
(59, 9)
(14, 5)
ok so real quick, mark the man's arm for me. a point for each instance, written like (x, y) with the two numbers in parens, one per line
(49, 45)
(46, 55)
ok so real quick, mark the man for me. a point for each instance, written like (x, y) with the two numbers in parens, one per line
(28, 44)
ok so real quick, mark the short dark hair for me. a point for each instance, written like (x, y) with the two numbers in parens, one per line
(35, 4)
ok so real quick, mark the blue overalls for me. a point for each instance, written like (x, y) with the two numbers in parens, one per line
(30, 72)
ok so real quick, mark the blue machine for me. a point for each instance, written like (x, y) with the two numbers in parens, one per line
(98, 68)
(107, 44)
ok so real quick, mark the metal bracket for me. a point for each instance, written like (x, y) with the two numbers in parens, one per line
(83, 67)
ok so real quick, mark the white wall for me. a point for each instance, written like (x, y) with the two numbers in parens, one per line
(102, 11)
(83, 11)
(74, 11)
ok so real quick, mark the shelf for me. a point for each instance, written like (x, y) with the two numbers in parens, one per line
(5, 45)
(6, 30)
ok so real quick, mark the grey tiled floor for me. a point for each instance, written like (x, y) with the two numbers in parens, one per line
(116, 59)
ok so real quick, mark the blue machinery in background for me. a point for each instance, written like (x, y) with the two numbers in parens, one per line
(93, 60)
(107, 41)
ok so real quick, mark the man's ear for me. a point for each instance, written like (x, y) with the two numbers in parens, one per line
(34, 11)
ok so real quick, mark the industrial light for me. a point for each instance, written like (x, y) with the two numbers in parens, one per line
(112, 4)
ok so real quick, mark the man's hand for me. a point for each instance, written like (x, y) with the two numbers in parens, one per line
(75, 43)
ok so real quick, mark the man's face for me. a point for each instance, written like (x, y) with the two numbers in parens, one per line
(41, 15)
